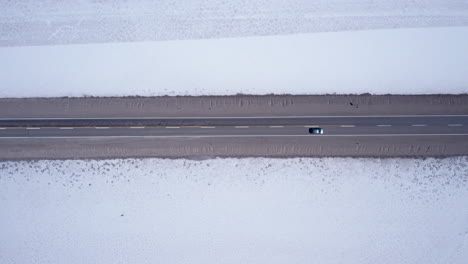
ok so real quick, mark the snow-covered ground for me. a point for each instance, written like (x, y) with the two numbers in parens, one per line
(176, 47)
(45, 22)
(399, 61)
(235, 211)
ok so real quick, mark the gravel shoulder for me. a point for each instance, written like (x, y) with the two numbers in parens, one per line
(240, 105)
(199, 148)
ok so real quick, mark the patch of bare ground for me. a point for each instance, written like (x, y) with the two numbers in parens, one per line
(428, 146)
(240, 105)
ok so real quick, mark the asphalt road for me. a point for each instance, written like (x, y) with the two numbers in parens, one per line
(294, 126)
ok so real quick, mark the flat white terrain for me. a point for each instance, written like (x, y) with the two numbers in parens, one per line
(45, 22)
(175, 47)
(235, 211)
(398, 61)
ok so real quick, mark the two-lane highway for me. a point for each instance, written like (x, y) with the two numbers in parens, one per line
(292, 126)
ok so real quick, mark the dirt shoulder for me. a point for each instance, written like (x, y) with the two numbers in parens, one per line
(285, 147)
(240, 105)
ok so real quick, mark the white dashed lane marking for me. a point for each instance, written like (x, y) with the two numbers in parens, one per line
(172, 127)
(66, 128)
(138, 127)
(347, 126)
(234, 136)
(242, 126)
(276, 126)
(102, 127)
(455, 125)
(418, 125)
(33, 128)
(207, 127)
(384, 125)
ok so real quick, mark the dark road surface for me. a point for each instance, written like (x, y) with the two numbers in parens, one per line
(433, 125)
